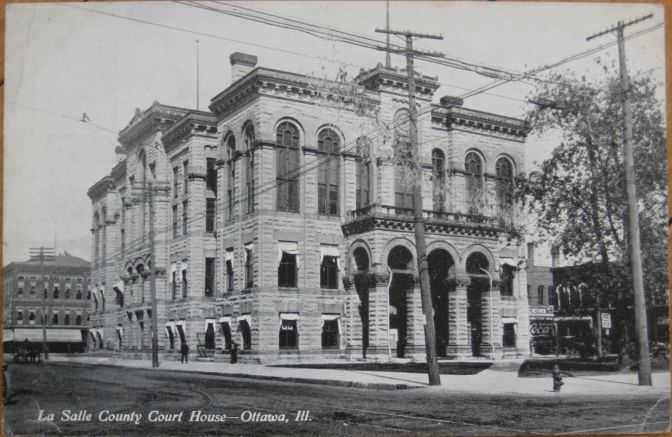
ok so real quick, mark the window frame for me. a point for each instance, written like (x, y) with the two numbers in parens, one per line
(290, 270)
(328, 173)
(287, 163)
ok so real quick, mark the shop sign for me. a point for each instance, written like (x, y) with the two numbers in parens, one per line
(606, 320)
(542, 328)
(541, 311)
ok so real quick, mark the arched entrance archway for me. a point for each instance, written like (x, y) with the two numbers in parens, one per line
(441, 271)
(400, 261)
(475, 266)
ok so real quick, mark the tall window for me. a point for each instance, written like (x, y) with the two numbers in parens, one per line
(174, 221)
(287, 181)
(96, 238)
(288, 265)
(210, 277)
(289, 332)
(504, 170)
(553, 297)
(55, 292)
(328, 143)
(54, 319)
(249, 265)
(66, 320)
(231, 176)
(438, 180)
(403, 174)
(363, 173)
(473, 167)
(185, 216)
(210, 215)
(540, 295)
(249, 173)
(185, 177)
(184, 283)
(122, 231)
(176, 181)
(229, 269)
(329, 331)
(507, 275)
(103, 253)
(78, 319)
(143, 183)
(211, 175)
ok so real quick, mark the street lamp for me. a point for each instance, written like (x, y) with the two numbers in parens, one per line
(492, 344)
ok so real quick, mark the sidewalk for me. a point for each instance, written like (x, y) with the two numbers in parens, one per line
(498, 381)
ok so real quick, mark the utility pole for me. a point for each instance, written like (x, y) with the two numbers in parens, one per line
(644, 372)
(47, 254)
(148, 193)
(419, 222)
(388, 60)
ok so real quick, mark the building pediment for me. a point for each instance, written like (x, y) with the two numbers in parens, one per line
(144, 123)
(192, 123)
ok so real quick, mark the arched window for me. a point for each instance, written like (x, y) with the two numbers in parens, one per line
(403, 173)
(476, 263)
(328, 143)
(231, 175)
(54, 319)
(504, 172)
(249, 173)
(438, 180)
(473, 167)
(363, 173)
(287, 157)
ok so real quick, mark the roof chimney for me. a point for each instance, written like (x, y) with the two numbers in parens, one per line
(241, 64)
(530, 254)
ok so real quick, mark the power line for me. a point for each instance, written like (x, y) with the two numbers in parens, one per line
(80, 120)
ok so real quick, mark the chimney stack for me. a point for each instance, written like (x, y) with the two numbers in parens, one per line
(241, 64)
(530, 254)
(555, 257)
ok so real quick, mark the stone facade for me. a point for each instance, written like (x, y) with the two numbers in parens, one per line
(297, 238)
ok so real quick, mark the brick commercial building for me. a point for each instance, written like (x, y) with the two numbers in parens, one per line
(61, 288)
(284, 223)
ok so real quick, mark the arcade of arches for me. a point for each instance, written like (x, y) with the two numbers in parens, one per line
(390, 307)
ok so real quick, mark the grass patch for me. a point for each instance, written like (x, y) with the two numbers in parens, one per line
(461, 368)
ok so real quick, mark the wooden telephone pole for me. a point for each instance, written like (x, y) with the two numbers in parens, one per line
(644, 372)
(419, 222)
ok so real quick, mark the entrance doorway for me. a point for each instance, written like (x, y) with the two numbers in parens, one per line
(362, 287)
(441, 268)
(401, 286)
(477, 266)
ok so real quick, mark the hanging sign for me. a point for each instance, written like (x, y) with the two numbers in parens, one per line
(606, 320)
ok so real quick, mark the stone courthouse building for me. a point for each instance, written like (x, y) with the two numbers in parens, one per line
(283, 223)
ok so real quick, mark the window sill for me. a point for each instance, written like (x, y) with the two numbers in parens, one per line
(289, 350)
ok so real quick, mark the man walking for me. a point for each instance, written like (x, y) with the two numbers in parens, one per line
(184, 349)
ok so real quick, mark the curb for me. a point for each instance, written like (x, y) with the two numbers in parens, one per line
(330, 382)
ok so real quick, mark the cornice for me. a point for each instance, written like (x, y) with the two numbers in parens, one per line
(192, 123)
(101, 188)
(382, 78)
(119, 171)
(454, 117)
(144, 123)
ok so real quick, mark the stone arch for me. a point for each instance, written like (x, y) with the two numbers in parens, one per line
(296, 123)
(474, 248)
(509, 158)
(357, 245)
(334, 128)
(400, 241)
(439, 244)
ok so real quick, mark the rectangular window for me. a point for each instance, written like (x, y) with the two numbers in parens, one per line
(329, 332)
(173, 285)
(209, 277)
(506, 276)
(289, 334)
(249, 266)
(19, 317)
(176, 181)
(186, 177)
(20, 290)
(209, 215)
(363, 183)
(174, 221)
(540, 295)
(184, 283)
(185, 216)
(123, 241)
(553, 297)
(509, 335)
(329, 272)
(229, 269)
(287, 274)
(211, 175)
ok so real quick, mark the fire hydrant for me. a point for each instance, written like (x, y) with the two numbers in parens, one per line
(557, 378)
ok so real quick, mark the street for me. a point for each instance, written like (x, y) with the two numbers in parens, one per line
(108, 400)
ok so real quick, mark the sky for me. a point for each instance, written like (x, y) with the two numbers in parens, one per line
(106, 59)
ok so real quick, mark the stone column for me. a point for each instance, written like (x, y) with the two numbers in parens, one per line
(415, 323)
(378, 317)
(486, 305)
(458, 330)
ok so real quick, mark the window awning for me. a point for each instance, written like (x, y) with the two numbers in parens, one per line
(225, 319)
(119, 287)
(184, 266)
(290, 248)
(209, 322)
(289, 316)
(509, 262)
(54, 335)
(330, 317)
(173, 270)
(331, 250)
(170, 328)
(97, 331)
(245, 318)
(228, 256)
(249, 248)
(509, 320)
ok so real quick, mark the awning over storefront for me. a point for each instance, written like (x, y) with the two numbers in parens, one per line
(7, 335)
(54, 335)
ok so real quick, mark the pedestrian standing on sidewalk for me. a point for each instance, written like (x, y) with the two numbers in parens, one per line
(557, 378)
(184, 349)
